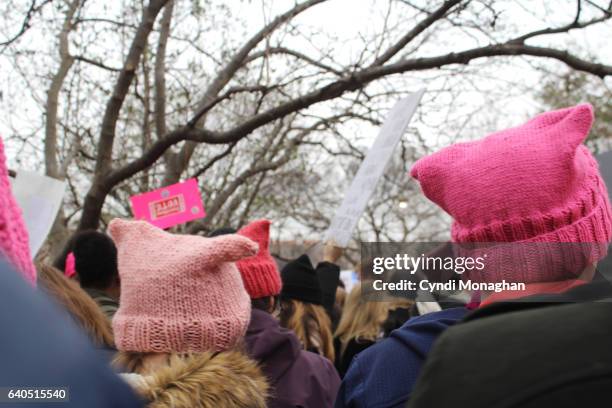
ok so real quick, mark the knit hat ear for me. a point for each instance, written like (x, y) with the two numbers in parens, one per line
(430, 170)
(259, 273)
(223, 248)
(118, 227)
(258, 230)
(230, 248)
(300, 281)
(572, 123)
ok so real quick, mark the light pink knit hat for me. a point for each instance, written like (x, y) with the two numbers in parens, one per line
(534, 183)
(179, 293)
(14, 239)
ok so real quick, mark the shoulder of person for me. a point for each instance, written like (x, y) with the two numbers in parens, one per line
(207, 379)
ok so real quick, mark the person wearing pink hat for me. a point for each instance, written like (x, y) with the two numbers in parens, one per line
(182, 317)
(298, 378)
(552, 347)
(14, 239)
(535, 186)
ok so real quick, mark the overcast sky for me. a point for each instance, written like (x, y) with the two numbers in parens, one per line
(347, 21)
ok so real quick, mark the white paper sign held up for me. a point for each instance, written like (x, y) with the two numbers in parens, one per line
(371, 169)
(40, 198)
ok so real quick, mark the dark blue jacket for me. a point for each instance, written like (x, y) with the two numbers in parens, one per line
(385, 373)
(40, 346)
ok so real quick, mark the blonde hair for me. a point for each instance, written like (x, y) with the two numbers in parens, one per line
(361, 319)
(83, 309)
(340, 297)
(311, 325)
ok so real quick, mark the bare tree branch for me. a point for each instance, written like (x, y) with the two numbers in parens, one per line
(179, 161)
(95, 63)
(33, 9)
(91, 209)
(108, 178)
(160, 71)
(296, 54)
(563, 29)
(416, 30)
(52, 167)
(215, 159)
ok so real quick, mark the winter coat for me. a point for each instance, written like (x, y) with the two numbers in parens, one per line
(42, 347)
(204, 380)
(298, 378)
(385, 373)
(344, 357)
(108, 305)
(538, 353)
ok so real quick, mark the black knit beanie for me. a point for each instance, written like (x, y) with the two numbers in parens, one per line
(329, 276)
(300, 282)
(95, 259)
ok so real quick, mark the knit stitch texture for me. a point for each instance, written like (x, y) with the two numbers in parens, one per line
(14, 239)
(259, 273)
(179, 293)
(535, 183)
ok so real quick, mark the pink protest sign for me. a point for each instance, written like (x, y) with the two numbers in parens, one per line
(170, 205)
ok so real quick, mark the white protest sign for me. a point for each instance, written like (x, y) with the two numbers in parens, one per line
(371, 169)
(39, 198)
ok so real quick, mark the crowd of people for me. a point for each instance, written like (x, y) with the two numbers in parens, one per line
(138, 316)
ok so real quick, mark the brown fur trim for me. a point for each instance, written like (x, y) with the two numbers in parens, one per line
(207, 380)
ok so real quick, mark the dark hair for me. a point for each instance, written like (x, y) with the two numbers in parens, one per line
(264, 303)
(95, 259)
(222, 231)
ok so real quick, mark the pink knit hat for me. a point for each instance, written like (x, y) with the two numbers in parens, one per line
(70, 268)
(534, 183)
(259, 273)
(179, 293)
(14, 240)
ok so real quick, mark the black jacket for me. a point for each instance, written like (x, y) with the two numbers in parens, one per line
(353, 347)
(543, 353)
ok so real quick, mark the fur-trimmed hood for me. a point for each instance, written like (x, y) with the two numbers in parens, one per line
(205, 380)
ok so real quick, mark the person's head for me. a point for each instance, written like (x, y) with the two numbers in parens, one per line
(301, 308)
(268, 304)
(531, 186)
(14, 239)
(83, 309)
(95, 261)
(361, 319)
(180, 294)
(311, 325)
(300, 281)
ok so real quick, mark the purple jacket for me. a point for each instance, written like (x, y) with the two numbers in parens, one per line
(298, 378)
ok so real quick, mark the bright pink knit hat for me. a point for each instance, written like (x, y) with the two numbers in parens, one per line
(14, 240)
(70, 268)
(179, 293)
(260, 272)
(530, 184)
